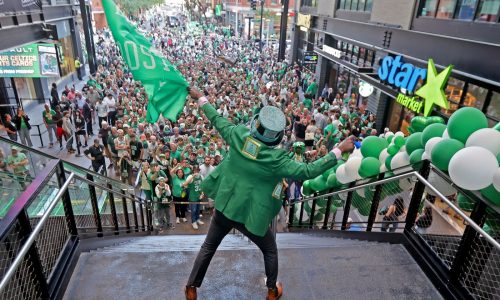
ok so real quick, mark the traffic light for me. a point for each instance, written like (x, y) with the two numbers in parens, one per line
(253, 4)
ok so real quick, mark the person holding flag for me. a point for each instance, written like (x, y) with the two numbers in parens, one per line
(253, 161)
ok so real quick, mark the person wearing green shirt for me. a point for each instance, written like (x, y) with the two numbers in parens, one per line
(18, 162)
(193, 183)
(312, 89)
(47, 116)
(307, 102)
(179, 193)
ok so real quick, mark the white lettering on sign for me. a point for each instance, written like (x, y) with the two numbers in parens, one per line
(332, 51)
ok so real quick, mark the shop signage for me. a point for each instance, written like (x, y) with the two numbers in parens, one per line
(310, 58)
(34, 60)
(405, 76)
(332, 51)
(12, 7)
(365, 89)
(304, 20)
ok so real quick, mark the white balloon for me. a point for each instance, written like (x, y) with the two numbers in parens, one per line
(440, 184)
(383, 168)
(352, 166)
(496, 180)
(431, 143)
(356, 153)
(399, 133)
(405, 184)
(381, 135)
(445, 134)
(342, 176)
(399, 160)
(402, 149)
(472, 168)
(383, 156)
(487, 138)
(361, 192)
(342, 196)
(425, 156)
(388, 134)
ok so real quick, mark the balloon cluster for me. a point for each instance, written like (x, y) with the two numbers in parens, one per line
(466, 149)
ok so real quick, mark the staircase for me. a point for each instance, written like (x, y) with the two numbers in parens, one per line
(311, 267)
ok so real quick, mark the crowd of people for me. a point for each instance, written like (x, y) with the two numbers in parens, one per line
(169, 159)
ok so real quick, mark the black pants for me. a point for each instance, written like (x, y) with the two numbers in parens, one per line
(219, 228)
(111, 118)
(180, 209)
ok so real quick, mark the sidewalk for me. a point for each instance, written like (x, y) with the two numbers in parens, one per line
(34, 111)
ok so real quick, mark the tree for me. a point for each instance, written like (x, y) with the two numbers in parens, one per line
(134, 7)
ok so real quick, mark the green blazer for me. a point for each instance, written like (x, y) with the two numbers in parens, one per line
(246, 186)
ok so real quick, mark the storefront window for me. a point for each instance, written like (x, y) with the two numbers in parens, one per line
(347, 4)
(453, 93)
(429, 9)
(475, 96)
(406, 120)
(354, 5)
(355, 51)
(361, 5)
(493, 110)
(395, 115)
(466, 9)
(66, 53)
(446, 9)
(25, 88)
(488, 10)
(341, 4)
(369, 58)
(369, 4)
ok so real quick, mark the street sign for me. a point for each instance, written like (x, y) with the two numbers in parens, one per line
(310, 58)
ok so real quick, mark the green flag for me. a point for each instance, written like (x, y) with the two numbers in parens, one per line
(164, 84)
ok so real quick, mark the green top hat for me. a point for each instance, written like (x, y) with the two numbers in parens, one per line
(268, 125)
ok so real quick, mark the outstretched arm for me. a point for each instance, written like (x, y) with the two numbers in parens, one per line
(223, 126)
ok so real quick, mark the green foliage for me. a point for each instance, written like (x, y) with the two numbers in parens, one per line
(133, 7)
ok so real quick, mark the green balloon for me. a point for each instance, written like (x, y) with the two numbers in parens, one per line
(318, 184)
(491, 194)
(464, 122)
(388, 162)
(399, 141)
(364, 208)
(332, 181)
(389, 138)
(465, 203)
(306, 188)
(414, 142)
(339, 163)
(372, 146)
(444, 151)
(433, 130)
(392, 149)
(416, 156)
(418, 123)
(369, 167)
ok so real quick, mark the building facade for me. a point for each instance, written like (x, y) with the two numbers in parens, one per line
(239, 14)
(387, 48)
(52, 26)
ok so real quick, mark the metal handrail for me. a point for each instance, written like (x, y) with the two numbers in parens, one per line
(31, 239)
(357, 187)
(427, 184)
(139, 200)
(459, 211)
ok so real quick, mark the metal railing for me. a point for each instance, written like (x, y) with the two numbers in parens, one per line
(463, 247)
(31, 239)
(41, 231)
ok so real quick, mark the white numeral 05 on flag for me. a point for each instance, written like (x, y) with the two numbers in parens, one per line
(132, 56)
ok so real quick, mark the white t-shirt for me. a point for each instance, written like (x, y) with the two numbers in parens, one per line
(111, 103)
(102, 109)
(206, 170)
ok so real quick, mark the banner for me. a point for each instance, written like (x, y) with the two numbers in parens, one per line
(34, 60)
(13, 7)
(164, 84)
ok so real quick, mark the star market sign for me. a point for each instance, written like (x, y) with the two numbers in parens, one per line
(405, 76)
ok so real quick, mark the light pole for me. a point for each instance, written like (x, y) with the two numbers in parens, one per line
(261, 19)
(283, 27)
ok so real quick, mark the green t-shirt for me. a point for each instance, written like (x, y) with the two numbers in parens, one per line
(307, 103)
(47, 116)
(176, 186)
(329, 128)
(195, 188)
(23, 123)
(11, 159)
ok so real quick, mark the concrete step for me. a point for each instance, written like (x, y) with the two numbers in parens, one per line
(369, 271)
(173, 243)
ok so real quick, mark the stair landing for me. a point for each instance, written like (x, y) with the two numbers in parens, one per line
(360, 270)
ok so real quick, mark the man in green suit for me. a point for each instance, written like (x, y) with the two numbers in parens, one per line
(247, 187)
